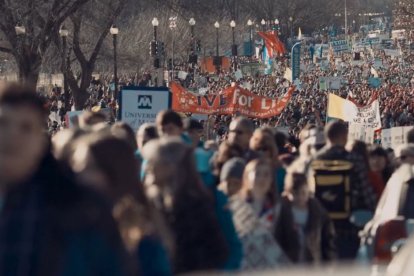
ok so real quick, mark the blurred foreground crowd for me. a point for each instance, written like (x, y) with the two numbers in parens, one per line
(99, 199)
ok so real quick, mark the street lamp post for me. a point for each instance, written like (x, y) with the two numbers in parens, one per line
(173, 26)
(234, 46)
(291, 28)
(20, 32)
(277, 25)
(114, 32)
(63, 32)
(217, 59)
(193, 56)
(154, 46)
(250, 24)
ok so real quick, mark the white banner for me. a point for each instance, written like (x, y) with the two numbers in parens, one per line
(369, 116)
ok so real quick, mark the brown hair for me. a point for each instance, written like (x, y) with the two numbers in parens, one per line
(123, 131)
(225, 152)
(18, 95)
(265, 142)
(166, 117)
(115, 158)
(245, 189)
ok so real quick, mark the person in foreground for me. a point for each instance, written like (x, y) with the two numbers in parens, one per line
(49, 225)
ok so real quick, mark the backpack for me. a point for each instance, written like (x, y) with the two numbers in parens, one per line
(333, 186)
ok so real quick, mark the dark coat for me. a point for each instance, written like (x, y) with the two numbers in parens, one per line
(319, 232)
(52, 226)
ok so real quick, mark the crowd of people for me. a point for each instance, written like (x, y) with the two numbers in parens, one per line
(181, 195)
(98, 199)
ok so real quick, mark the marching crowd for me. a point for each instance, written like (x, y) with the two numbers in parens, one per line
(99, 199)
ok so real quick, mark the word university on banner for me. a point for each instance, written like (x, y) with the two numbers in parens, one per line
(140, 105)
(233, 100)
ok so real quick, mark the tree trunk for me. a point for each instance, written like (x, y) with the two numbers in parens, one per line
(29, 69)
(79, 92)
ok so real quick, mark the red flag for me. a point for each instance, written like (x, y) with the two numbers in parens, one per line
(273, 43)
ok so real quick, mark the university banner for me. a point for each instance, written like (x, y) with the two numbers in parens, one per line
(233, 100)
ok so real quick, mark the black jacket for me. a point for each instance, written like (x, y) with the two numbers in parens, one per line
(319, 232)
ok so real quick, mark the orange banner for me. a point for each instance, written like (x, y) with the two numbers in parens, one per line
(233, 100)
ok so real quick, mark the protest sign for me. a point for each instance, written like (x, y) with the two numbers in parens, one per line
(182, 75)
(392, 52)
(139, 105)
(386, 140)
(296, 61)
(238, 74)
(369, 115)
(397, 137)
(232, 100)
(339, 46)
(374, 82)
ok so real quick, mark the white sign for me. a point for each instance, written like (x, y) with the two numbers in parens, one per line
(369, 116)
(182, 75)
(397, 137)
(386, 138)
(141, 105)
(238, 74)
(392, 52)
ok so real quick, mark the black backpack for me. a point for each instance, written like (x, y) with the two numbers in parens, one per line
(333, 186)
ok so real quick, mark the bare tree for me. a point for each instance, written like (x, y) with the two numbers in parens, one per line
(38, 20)
(90, 25)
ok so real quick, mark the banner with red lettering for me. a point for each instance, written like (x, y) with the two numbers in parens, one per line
(232, 100)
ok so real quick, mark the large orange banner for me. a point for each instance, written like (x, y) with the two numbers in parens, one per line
(232, 100)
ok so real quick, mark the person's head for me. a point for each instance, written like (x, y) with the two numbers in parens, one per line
(281, 140)
(378, 159)
(240, 132)
(89, 119)
(108, 164)
(171, 170)
(63, 143)
(410, 136)
(225, 152)
(23, 138)
(405, 154)
(124, 132)
(336, 133)
(194, 130)
(145, 133)
(359, 148)
(263, 143)
(258, 181)
(231, 176)
(297, 189)
(169, 123)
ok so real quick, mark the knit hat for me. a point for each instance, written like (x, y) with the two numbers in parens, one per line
(233, 168)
